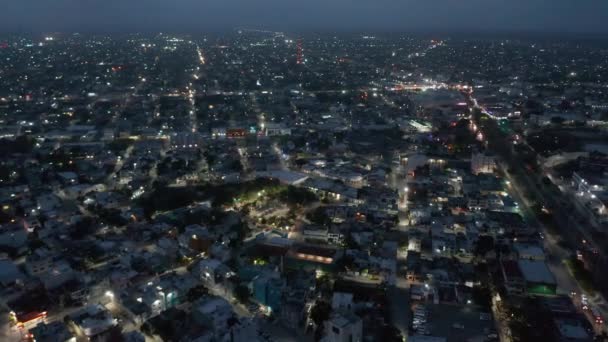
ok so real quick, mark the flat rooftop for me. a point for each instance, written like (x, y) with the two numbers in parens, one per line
(458, 322)
(536, 271)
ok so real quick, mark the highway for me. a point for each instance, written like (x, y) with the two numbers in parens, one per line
(565, 218)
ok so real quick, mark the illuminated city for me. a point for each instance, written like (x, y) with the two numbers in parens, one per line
(300, 185)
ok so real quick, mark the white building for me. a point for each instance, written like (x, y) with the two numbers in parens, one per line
(276, 130)
(93, 320)
(481, 163)
(343, 327)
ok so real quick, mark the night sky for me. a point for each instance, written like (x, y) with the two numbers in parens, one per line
(186, 15)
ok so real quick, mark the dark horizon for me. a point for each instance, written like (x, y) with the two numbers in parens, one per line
(518, 35)
(559, 16)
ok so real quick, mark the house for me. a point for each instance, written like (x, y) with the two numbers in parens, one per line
(9, 273)
(39, 262)
(243, 330)
(68, 178)
(214, 312)
(413, 266)
(213, 272)
(343, 327)
(47, 202)
(150, 299)
(13, 236)
(79, 190)
(196, 238)
(425, 338)
(92, 320)
(52, 332)
(59, 273)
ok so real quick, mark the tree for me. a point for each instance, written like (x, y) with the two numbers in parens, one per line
(565, 105)
(557, 120)
(530, 321)
(323, 143)
(21, 144)
(241, 292)
(297, 196)
(82, 228)
(236, 165)
(345, 263)
(318, 216)
(196, 293)
(390, 334)
(320, 312)
(300, 162)
(118, 146)
(482, 296)
(484, 245)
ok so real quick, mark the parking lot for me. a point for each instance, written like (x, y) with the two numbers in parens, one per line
(455, 322)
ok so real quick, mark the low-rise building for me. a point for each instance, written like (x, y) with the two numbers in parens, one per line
(343, 327)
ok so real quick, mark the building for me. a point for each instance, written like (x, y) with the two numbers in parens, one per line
(424, 338)
(343, 327)
(528, 276)
(293, 312)
(13, 236)
(267, 291)
(186, 141)
(529, 251)
(513, 278)
(482, 163)
(38, 262)
(539, 279)
(342, 301)
(571, 330)
(213, 272)
(313, 257)
(214, 312)
(272, 130)
(9, 273)
(53, 332)
(93, 320)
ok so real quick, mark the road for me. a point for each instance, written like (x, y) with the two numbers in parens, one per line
(555, 254)
(399, 305)
(565, 219)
